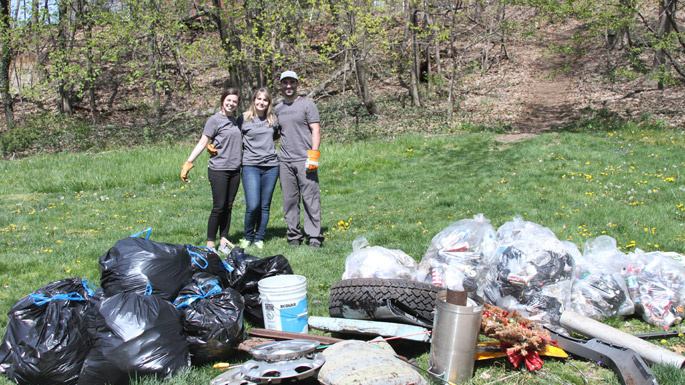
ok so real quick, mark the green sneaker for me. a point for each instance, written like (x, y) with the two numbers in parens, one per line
(258, 244)
(243, 243)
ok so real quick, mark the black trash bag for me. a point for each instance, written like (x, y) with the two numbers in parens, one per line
(91, 313)
(206, 260)
(46, 340)
(212, 318)
(246, 274)
(135, 263)
(136, 336)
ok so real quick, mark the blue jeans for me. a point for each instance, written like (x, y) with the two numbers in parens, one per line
(258, 183)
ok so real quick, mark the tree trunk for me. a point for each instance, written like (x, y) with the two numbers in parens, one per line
(429, 24)
(666, 11)
(154, 63)
(63, 36)
(453, 74)
(154, 76)
(87, 24)
(415, 67)
(438, 67)
(226, 40)
(368, 101)
(5, 61)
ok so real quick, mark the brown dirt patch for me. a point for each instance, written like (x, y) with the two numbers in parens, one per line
(539, 90)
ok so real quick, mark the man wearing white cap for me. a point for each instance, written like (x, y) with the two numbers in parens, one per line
(298, 159)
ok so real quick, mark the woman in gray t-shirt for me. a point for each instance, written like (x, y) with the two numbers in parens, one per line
(222, 138)
(260, 166)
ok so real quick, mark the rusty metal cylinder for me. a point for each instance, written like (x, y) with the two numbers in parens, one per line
(454, 339)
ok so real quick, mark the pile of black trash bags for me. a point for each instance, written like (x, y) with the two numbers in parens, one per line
(161, 307)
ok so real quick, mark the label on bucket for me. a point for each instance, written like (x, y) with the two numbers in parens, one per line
(285, 316)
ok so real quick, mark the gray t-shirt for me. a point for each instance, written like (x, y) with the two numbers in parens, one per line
(258, 143)
(294, 120)
(224, 134)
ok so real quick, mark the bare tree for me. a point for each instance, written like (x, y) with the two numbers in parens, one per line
(665, 26)
(415, 69)
(5, 60)
(64, 43)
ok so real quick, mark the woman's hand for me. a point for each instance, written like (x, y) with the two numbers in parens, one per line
(211, 149)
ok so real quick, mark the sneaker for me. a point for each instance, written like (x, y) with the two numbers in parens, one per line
(314, 245)
(243, 243)
(295, 243)
(224, 249)
(258, 244)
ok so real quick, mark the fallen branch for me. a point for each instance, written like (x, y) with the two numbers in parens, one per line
(321, 87)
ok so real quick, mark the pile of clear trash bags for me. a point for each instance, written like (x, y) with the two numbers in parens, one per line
(523, 266)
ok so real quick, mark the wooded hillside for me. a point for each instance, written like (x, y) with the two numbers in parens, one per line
(520, 65)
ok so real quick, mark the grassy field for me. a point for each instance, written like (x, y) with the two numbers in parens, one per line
(60, 212)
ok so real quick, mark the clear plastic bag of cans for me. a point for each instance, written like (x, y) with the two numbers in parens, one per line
(531, 271)
(457, 255)
(378, 262)
(656, 283)
(599, 290)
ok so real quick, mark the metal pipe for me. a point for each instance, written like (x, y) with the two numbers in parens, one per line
(575, 322)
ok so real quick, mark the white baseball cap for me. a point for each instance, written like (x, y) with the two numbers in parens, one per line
(289, 74)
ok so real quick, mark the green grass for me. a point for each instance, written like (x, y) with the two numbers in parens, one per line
(60, 212)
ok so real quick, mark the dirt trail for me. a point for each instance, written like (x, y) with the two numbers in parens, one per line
(546, 106)
(548, 101)
(539, 90)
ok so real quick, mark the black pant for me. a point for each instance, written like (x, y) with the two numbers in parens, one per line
(225, 185)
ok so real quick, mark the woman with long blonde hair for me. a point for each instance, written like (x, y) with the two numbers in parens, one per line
(260, 166)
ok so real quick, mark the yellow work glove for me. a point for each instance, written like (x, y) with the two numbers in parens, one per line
(211, 149)
(184, 171)
(312, 162)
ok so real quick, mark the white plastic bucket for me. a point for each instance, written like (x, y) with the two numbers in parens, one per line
(284, 302)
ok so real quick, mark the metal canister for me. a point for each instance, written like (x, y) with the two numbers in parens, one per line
(454, 338)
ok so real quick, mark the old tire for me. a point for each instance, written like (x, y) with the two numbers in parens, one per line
(366, 298)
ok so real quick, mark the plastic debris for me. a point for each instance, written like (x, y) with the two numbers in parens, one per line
(378, 262)
(656, 283)
(531, 272)
(599, 289)
(458, 255)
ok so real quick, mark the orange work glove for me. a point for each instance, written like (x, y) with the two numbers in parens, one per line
(184, 171)
(312, 162)
(211, 149)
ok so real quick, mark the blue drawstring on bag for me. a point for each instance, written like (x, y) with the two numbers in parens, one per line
(147, 236)
(42, 299)
(196, 258)
(90, 288)
(186, 300)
